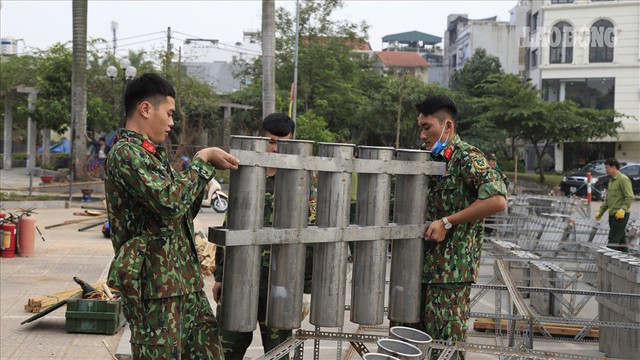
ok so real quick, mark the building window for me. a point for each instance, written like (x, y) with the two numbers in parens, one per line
(562, 1)
(534, 22)
(593, 93)
(561, 44)
(602, 41)
(527, 59)
(534, 58)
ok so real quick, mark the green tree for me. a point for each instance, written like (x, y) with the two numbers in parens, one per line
(466, 85)
(314, 128)
(379, 114)
(53, 79)
(479, 67)
(328, 72)
(514, 105)
(14, 71)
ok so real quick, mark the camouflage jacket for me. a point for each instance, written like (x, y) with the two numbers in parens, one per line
(468, 177)
(151, 209)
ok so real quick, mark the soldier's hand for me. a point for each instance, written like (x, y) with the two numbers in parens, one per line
(219, 158)
(435, 232)
(620, 214)
(217, 291)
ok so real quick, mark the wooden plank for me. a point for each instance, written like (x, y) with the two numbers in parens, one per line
(484, 324)
(41, 302)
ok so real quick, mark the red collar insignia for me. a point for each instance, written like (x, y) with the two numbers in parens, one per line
(149, 146)
(447, 153)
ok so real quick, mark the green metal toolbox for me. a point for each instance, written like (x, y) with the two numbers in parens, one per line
(94, 316)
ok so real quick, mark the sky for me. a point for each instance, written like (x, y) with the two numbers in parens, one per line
(143, 24)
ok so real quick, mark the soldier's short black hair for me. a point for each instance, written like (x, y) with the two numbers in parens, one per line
(613, 163)
(492, 156)
(278, 124)
(438, 105)
(147, 87)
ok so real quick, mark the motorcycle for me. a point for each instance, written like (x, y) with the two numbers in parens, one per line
(215, 197)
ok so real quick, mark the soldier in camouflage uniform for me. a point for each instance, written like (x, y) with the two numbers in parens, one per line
(275, 126)
(457, 201)
(151, 209)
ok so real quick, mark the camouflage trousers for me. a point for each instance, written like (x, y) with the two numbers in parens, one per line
(235, 344)
(180, 327)
(445, 312)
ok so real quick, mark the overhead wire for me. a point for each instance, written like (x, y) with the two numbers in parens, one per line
(219, 42)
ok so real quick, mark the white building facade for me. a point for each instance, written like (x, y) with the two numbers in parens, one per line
(214, 62)
(498, 38)
(587, 51)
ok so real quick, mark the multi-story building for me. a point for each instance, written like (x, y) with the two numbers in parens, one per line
(214, 62)
(464, 36)
(402, 63)
(425, 45)
(587, 51)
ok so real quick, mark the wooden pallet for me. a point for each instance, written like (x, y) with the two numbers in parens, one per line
(484, 324)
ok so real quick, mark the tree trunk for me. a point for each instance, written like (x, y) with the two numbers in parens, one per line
(46, 147)
(540, 155)
(8, 133)
(79, 86)
(268, 57)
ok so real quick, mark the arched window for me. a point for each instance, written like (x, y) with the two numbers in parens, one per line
(602, 41)
(561, 43)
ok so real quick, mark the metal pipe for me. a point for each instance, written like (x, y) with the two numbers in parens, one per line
(407, 254)
(241, 278)
(370, 257)
(330, 259)
(286, 270)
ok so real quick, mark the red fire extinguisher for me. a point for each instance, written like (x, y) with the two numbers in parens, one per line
(2, 216)
(9, 229)
(26, 233)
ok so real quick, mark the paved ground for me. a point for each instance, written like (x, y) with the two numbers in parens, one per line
(67, 253)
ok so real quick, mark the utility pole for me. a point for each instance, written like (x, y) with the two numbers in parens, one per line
(268, 57)
(169, 49)
(295, 69)
(114, 30)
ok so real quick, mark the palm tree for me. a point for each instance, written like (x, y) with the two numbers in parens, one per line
(79, 87)
(268, 57)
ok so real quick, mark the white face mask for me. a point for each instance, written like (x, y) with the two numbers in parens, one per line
(438, 146)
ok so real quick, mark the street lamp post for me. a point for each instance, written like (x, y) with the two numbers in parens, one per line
(128, 73)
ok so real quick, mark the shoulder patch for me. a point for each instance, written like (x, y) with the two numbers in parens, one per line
(148, 146)
(480, 163)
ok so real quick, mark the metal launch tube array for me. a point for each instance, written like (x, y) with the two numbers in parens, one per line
(286, 273)
(405, 285)
(370, 257)
(242, 263)
(245, 235)
(329, 284)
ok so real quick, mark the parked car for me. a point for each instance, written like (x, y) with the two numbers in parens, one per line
(632, 170)
(576, 183)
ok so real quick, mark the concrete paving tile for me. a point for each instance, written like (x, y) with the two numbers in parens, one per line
(87, 352)
(7, 351)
